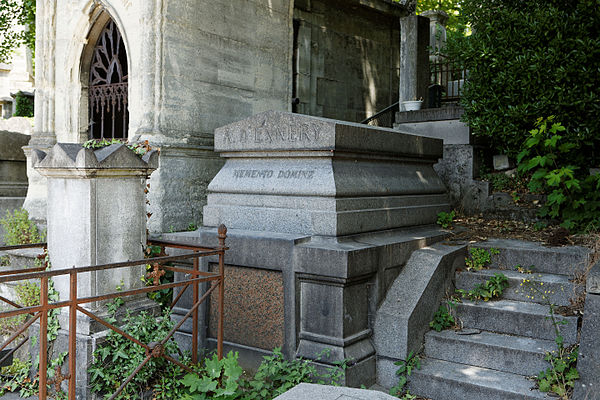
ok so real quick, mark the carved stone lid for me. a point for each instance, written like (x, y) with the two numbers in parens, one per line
(269, 133)
(73, 160)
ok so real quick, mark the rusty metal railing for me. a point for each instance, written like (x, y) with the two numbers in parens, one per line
(153, 350)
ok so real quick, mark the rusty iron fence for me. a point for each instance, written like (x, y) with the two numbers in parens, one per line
(75, 303)
(450, 75)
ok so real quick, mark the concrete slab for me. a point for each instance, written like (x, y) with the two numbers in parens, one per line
(311, 391)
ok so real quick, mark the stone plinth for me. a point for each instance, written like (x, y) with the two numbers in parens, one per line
(96, 215)
(292, 173)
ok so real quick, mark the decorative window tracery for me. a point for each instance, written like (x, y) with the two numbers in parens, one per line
(108, 113)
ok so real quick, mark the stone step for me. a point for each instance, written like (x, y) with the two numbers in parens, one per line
(553, 260)
(515, 354)
(514, 318)
(559, 288)
(443, 380)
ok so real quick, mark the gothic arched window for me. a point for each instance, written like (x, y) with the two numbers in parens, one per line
(108, 86)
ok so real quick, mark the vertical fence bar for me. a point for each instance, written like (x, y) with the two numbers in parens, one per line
(73, 335)
(43, 371)
(195, 314)
(222, 234)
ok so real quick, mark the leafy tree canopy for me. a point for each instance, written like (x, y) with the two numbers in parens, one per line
(17, 26)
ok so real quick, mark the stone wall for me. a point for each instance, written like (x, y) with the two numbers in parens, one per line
(347, 59)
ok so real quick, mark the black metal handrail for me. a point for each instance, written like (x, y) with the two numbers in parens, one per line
(379, 118)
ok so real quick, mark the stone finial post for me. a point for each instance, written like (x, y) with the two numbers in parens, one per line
(96, 215)
(414, 58)
(96, 212)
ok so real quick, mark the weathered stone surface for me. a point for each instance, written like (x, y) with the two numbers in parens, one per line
(311, 391)
(443, 380)
(593, 280)
(501, 162)
(11, 144)
(450, 131)
(403, 317)
(19, 125)
(13, 167)
(554, 260)
(514, 354)
(516, 318)
(588, 362)
(331, 289)
(299, 174)
(414, 58)
(96, 215)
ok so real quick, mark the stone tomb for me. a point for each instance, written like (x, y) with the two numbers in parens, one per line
(296, 174)
(321, 216)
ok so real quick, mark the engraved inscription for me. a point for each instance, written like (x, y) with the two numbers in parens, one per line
(268, 173)
(298, 133)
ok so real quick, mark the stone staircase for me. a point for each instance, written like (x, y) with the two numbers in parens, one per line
(503, 341)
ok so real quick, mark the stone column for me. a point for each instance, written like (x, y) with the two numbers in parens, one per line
(414, 58)
(96, 215)
(44, 136)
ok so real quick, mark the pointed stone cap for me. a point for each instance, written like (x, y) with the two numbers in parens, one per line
(73, 160)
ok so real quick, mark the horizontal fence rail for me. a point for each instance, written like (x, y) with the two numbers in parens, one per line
(153, 350)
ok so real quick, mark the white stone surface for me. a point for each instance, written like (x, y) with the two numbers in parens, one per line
(312, 391)
(96, 213)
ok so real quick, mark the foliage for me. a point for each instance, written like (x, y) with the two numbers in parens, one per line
(443, 319)
(405, 368)
(28, 294)
(479, 258)
(550, 155)
(15, 377)
(527, 59)
(445, 219)
(163, 297)
(501, 182)
(12, 14)
(19, 229)
(138, 148)
(23, 105)
(215, 379)
(117, 357)
(560, 377)
(491, 288)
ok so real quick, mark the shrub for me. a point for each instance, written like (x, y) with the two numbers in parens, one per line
(550, 156)
(532, 58)
(19, 229)
(24, 105)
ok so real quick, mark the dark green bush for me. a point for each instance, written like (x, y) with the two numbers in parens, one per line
(528, 59)
(24, 105)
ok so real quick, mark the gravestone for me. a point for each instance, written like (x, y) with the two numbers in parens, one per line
(321, 216)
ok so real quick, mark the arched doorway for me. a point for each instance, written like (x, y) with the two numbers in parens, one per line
(108, 77)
